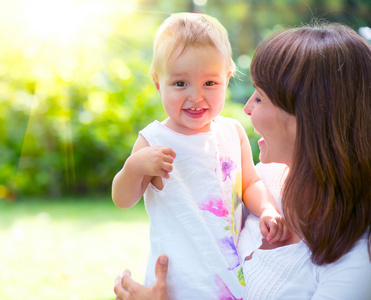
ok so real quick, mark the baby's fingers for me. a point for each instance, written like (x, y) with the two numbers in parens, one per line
(166, 168)
(170, 152)
(275, 231)
(286, 233)
(168, 159)
(264, 229)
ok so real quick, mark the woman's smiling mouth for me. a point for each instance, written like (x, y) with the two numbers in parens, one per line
(261, 142)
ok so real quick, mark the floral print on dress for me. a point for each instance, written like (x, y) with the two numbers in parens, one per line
(240, 276)
(237, 192)
(223, 293)
(230, 212)
(236, 197)
(217, 207)
(227, 165)
(229, 248)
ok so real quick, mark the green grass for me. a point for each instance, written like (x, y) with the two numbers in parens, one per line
(69, 248)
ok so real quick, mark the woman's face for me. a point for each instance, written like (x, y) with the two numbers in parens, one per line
(277, 128)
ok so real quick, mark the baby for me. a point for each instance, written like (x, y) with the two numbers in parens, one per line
(195, 168)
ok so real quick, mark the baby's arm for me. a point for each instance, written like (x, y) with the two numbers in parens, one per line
(257, 198)
(143, 165)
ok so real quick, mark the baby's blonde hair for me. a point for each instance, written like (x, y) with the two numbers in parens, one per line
(184, 30)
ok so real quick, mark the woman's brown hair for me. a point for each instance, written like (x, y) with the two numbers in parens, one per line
(321, 73)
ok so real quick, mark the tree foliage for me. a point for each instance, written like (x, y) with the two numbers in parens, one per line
(75, 86)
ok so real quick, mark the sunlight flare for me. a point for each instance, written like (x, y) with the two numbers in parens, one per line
(61, 22)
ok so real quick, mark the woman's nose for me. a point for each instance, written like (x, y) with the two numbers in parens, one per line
(248, 106)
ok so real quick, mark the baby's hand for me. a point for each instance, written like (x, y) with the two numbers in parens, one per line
(273, 226)
(154, 161)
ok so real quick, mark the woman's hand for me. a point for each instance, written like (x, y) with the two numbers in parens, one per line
(127, 289)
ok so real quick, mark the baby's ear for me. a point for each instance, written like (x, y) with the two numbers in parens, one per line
(156, 82)
(229, 76)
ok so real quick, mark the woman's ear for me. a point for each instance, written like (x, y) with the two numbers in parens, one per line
(156, 82)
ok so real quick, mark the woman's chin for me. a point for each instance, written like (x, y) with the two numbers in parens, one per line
(264, 159)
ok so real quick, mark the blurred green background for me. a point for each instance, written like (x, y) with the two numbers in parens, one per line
(75, 86)
(74, 92)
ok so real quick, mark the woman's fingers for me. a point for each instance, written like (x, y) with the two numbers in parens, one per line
(119, 290)
(160, 287)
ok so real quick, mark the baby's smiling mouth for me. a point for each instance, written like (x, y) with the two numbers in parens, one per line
(195, 111)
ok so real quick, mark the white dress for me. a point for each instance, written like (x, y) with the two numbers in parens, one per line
(196, 218)
(288, 273)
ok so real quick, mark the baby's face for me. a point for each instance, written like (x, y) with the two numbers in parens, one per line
(192, 88)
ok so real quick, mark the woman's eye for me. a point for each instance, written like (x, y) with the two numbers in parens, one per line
(180, 83)
(257, 100)
(209, 83)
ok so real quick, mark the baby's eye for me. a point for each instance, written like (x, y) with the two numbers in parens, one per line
(180, 83)
(209, 83)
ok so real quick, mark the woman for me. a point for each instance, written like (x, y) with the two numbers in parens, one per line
(312, 107)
